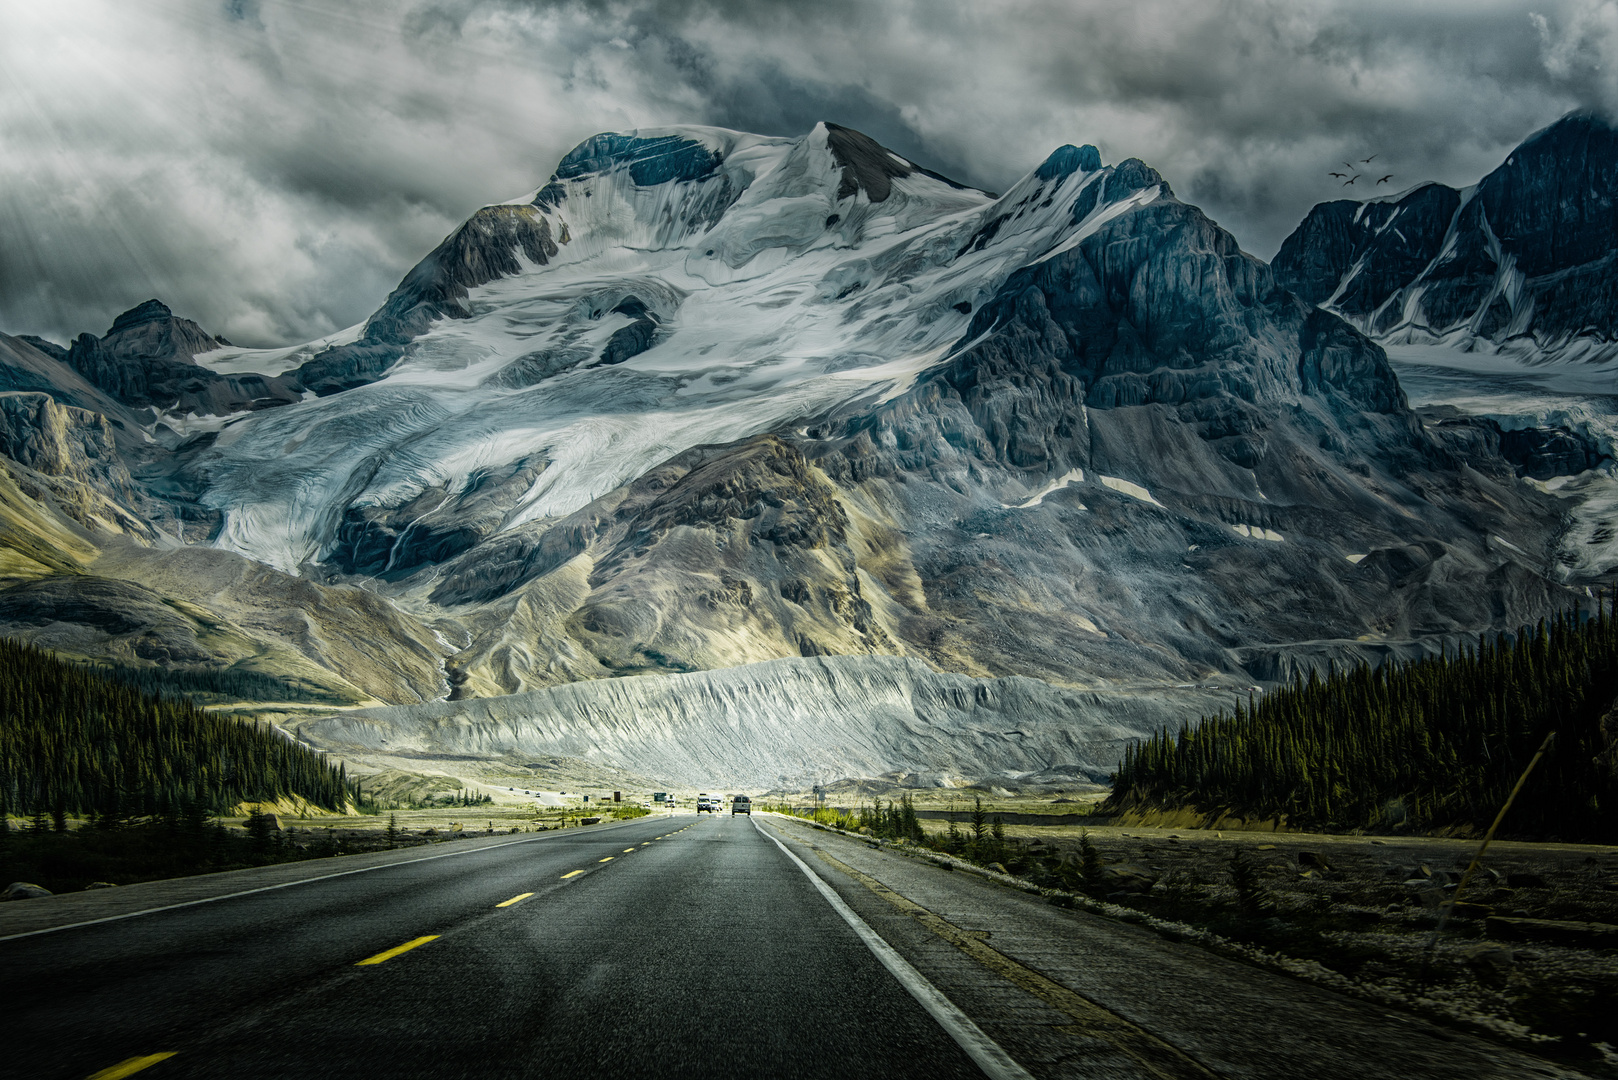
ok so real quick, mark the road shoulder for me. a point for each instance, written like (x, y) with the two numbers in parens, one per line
(1213, 1013)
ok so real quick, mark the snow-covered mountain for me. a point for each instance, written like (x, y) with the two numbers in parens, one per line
(1500, 299)
(707, 400)
(663, 290)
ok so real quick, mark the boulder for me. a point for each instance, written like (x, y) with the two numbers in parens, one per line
(1134, 880)
(22, 890)
(1491, 963)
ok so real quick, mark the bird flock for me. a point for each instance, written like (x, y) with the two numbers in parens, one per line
(1355, 172)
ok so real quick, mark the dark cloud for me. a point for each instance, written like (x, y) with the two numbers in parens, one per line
(272, 168)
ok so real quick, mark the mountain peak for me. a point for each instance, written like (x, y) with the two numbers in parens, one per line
(150, 311)
(1069, 159)
(869, 166)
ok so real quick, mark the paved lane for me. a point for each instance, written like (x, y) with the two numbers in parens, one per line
(705, 953)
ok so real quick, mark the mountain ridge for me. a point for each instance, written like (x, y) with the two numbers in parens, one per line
(1520, 263)
(707, 400)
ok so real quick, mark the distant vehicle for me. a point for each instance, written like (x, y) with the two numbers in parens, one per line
(705, 803)
(741, 804)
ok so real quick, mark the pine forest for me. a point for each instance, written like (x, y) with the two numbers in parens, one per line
(1428, 745)
(74, 741)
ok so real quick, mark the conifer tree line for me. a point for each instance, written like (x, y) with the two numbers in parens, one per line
(73, 741)
(1415, 746)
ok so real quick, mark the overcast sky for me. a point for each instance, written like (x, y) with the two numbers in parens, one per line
(271, 169)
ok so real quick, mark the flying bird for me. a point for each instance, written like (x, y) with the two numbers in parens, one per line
(1367, 161)
(1385, 179)
(1339, 175)
(1349, 165)
(1350, 180)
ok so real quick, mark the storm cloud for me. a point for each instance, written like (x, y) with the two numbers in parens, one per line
(271, 169)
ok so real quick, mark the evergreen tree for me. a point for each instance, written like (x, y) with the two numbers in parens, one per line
(1429, 744)
(73, 740)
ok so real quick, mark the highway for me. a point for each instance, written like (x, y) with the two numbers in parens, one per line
(660, 947)
(685, 946)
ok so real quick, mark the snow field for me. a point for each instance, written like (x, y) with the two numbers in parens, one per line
(774, 300)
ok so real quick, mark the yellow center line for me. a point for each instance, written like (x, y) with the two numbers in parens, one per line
(519, 898)
(627, 850)
(571, 873)
(609, 858)
(132, 1066)
(396, 950)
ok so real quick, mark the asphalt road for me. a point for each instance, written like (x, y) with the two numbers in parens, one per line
(664, 947)
(661, 948)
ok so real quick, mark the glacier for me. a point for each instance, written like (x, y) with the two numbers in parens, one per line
(768, 290)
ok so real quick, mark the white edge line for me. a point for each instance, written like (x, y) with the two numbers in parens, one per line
(267, 888)
(984, 1051)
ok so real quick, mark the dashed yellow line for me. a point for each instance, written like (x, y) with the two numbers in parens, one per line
(627, 850)
(396, 950)
(132, 1066)
(519, 898)
(609, 858)
(571, 873)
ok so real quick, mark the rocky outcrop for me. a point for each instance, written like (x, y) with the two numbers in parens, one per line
(723, 555)
(60, 440)
(146, 360)
(1162, 306)
(433, 526)
(1540, 453)
(69, 457)
(869, 166)
(1522, 262)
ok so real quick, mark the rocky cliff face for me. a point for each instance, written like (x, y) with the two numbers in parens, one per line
(1521, 262)
(70, 457)
(493, 244)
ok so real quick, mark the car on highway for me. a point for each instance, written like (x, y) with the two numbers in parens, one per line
(705, 803)
(741, 804)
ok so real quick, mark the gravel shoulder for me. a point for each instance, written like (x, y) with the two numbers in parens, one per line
(1225, 1017)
